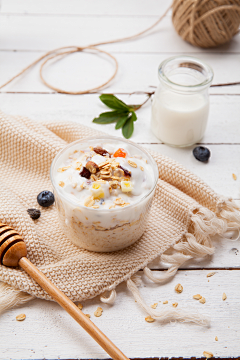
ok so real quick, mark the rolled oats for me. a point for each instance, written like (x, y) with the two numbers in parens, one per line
(80, 306)
(61, 183)
(197, 297)
(202, 300)
(89, 201)
(165, 302)
(216, 338)
(175, 304)
(224, 296)
(141, 168)
(149, 319)
(64, 168)
(154, 305)
(208, 354)
(178, 288)
(78, 166)
(211, 274)
(98, 312)
(20, 317)
(132, 163)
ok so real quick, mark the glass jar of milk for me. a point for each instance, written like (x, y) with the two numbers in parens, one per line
(181, 102)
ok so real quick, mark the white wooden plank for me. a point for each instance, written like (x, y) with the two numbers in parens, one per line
(223, 126)
(83, 7)
(46, 33)
(83, 71)
(49, 332)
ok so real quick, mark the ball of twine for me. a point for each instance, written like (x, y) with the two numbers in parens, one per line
(206, 23)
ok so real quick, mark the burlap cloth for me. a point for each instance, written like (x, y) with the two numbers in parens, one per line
(185, 213)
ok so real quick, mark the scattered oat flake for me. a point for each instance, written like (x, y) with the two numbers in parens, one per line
(95, 206)
(61, 183)
(224, 296)
(79, 305)
(211, 274)
(141, 168)
(88, 315)
(208, 354)
(202, 300)
(132, 163)
(197, 296)
(234, 177)
(175, 304)
(89, 201)
(154, 306)
(149, 319)
(178, 288)
(20, 317)
(216, 338)
(165, 302)
(98, 312)
(63, 168)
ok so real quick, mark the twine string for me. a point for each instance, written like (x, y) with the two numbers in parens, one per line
(67, 50)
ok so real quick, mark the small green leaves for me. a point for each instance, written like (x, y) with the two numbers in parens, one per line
(123, 115)
(109, 117)
(113, 102)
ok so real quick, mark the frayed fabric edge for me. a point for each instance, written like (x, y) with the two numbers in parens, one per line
(196, 243)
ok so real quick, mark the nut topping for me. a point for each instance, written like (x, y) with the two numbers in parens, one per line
(92, 167)
(101, 151)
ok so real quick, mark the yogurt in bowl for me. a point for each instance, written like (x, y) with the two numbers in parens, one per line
(103, 190)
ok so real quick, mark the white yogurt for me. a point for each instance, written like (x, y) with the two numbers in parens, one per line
(96, 213)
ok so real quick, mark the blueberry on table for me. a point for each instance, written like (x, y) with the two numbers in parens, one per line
(45, 198)
(201, 153)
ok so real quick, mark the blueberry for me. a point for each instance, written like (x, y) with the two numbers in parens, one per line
(45, 198)
(201, 153)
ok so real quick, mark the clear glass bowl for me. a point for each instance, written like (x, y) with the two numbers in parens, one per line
(102, 230)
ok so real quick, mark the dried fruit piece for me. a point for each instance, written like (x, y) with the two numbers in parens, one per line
(98, 312)
(85, 173)
(208, 354)
(97, 191)
(201, 153)
(197, 297)
(178, 288)
(154, 306)
(149, 319)
(202, 300)
(175, 304)
(211, 274)
(120, 153)
(126, 172)
(80, 306)
(224, 296)
(126, 186)
(234, 177)
(45, 198)
(92, 167)
(20, 317)
(34, 213)
(165, 302)
(101, 151)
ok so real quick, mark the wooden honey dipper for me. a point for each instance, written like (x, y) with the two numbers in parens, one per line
(13, 253)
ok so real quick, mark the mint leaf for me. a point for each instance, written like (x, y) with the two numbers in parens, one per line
(109, 117)
(121, 121)
(113, 102)
(128, 127)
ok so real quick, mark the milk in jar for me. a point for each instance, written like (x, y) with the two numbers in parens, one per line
(181, 103)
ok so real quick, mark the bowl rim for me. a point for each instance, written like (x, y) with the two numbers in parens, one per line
(78, 205)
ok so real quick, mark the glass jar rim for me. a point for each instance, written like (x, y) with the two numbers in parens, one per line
(192, 62)
(74, 202)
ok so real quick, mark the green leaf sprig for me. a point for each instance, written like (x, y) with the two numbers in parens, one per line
(123, 115)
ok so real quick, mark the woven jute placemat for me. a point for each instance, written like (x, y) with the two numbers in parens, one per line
(184, 215)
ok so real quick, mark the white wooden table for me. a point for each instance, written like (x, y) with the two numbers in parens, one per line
(27, 30)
